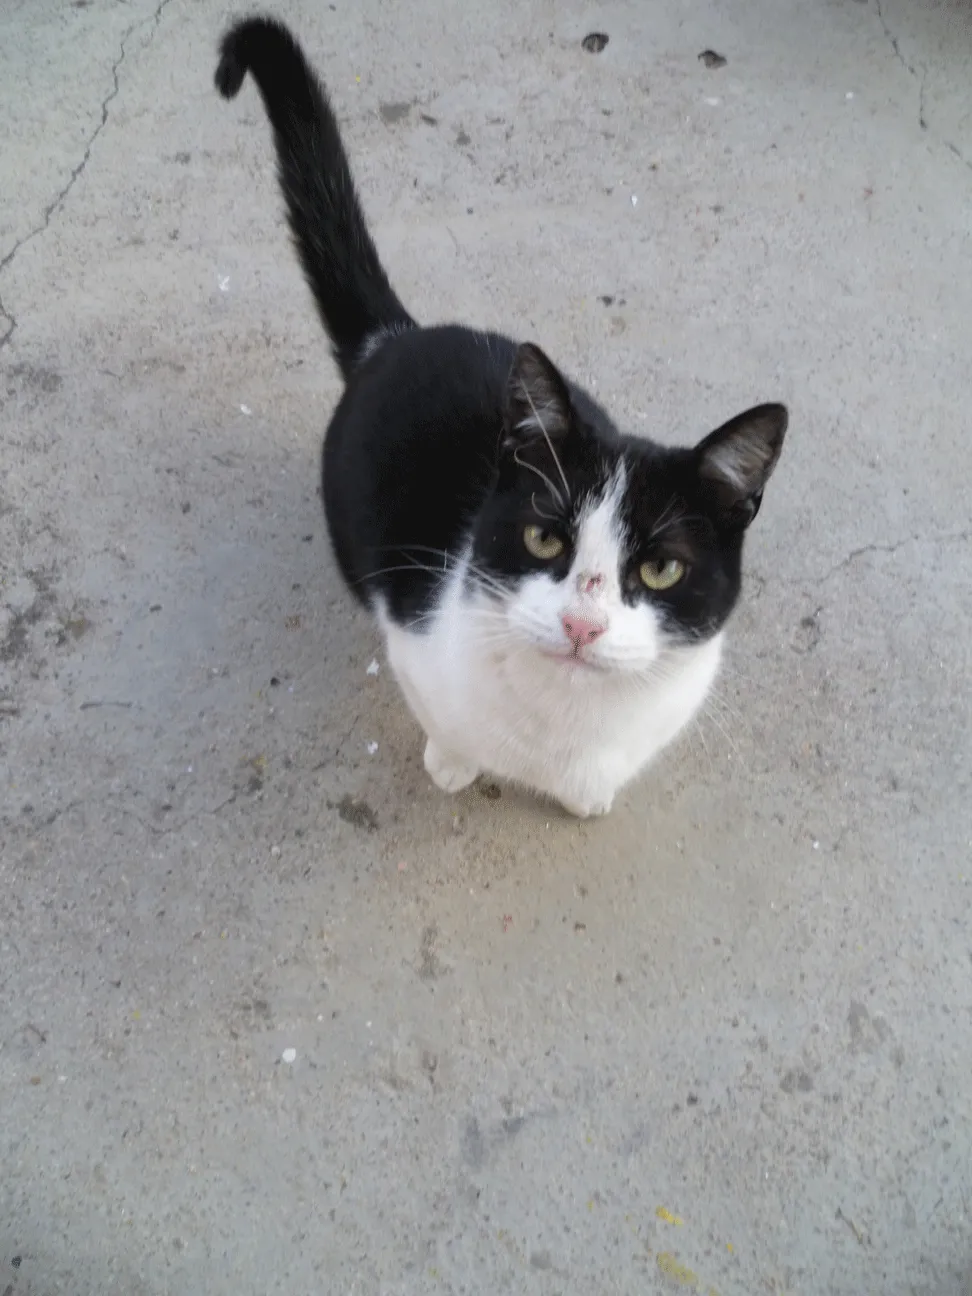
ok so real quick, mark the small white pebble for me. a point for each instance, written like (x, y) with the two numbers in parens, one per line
(713, 103)
(634, 200)
(372, 748)
(274, 852)
(373, 669)
(188, 769)
(320, 1016)
(289, 1056)
(245, 409)
(849, 94)
(816, 845)
(224, 281)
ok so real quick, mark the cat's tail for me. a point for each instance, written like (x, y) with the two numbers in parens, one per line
(340, 262)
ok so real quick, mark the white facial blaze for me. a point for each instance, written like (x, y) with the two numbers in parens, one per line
(632, 638)
(594, 583)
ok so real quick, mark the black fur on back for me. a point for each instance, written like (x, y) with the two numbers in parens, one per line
(340, 261)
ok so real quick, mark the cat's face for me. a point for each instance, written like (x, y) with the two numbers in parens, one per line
(599, 551)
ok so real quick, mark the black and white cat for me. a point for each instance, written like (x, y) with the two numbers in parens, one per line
(552, 592)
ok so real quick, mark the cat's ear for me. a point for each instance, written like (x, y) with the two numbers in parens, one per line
(537, 399)
(736, 460)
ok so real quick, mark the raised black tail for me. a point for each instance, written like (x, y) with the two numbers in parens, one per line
(340, 261)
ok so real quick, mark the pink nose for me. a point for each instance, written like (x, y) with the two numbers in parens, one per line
(580, 631)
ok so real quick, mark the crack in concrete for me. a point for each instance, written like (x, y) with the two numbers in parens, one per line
(909, 67)
(949, 537)
(57, 203)
(960, 155)
(204, 813)
(921, 77)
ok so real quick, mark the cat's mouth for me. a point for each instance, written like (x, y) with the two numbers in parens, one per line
(571, 659)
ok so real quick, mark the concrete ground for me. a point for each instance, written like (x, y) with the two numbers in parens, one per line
(720, 1042)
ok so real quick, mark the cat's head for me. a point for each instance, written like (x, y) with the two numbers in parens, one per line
(603, 550)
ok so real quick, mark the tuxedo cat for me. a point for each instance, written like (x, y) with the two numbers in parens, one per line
(552, 592)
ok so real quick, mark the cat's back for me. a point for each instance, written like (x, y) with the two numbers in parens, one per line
(410, 454)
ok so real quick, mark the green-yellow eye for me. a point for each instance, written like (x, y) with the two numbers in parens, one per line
(542, 544)
(661, 574)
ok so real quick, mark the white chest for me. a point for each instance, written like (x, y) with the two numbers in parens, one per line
(568, 731)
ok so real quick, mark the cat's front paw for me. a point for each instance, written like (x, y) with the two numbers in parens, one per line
(445, 771)
(593, 809)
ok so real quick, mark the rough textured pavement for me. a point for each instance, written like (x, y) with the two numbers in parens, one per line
(720, 1042)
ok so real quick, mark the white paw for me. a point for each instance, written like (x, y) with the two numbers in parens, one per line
(446, 772)
(588, 809)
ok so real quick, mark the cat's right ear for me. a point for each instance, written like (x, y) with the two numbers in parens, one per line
(537, 400)
(736, 460)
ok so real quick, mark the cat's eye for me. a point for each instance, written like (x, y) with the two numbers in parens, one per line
(542, 544)
(661, 574)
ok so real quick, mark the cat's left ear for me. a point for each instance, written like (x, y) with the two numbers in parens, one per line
(537, 399)
(736, 460)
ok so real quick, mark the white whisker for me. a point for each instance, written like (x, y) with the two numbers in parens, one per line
(547, 517)
(546, 437)
(558, 497)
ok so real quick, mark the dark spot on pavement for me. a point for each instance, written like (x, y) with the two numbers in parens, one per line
(711, 59)
(867, 1033)
(594, 42)
(807, 634)
(71, 627)
(473, 1144)
(183, 158)
(491, 791)
(16, 642)
(392, 113)
(462, 139)
(797, 1081)
(358, 813)
(37, 378)
(255, 768)
(255, 1014)
(430, 968)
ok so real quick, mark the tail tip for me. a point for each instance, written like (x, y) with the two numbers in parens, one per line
(252, 41)
(231, 68)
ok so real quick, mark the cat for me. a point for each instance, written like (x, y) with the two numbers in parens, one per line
(552, 592)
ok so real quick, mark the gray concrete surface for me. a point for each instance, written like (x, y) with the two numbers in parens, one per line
(745, 1000)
